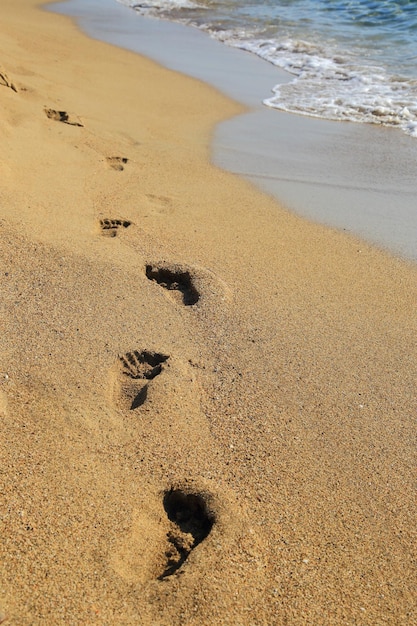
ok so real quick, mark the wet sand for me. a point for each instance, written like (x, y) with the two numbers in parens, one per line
(207, 404)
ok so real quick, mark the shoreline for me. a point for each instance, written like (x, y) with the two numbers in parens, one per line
(207, 403)
(324, 171)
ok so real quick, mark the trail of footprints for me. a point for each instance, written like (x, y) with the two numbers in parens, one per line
(177, 281)
(189, 515)
(190, 518)
(115, 162)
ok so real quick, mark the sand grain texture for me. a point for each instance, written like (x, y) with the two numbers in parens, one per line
(283, 413)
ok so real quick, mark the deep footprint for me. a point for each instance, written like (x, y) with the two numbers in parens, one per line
(110, 227)
(174, 280)
(191, 522)
(62, 116)
(140, 366)
(117, 163)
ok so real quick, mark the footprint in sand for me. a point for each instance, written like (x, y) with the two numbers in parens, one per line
(138, 368)
(176, 280)
(6, 82)
(62, 116)
(160, 205)
(190, 523)
(110, 227)
(117, 163)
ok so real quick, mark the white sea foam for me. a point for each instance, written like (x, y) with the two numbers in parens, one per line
(329, 81)
(334, 87)
(155, 7)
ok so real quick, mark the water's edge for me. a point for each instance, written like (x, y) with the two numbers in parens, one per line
(348, 61)
(353, 177)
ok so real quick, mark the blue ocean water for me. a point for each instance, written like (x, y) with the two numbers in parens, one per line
(349, 60)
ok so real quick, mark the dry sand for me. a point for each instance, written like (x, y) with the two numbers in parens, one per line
(242, 451)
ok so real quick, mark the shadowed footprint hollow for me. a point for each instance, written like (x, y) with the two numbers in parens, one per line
(174, 280)
(191, 522)
(117, 163)
(110, 227)
(140, 367)
(62, 116)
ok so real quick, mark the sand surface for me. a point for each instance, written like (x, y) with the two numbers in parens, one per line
(207, 404)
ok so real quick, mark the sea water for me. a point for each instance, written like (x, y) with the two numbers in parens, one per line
(350, 60)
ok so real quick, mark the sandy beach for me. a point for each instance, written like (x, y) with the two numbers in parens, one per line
(207, 403)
